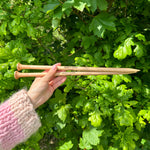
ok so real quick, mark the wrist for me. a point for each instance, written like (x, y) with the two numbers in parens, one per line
(32, 99)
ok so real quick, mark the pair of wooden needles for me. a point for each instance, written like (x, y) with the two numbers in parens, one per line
(74, 71)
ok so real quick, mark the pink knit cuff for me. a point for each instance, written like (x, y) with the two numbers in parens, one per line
(18, 120)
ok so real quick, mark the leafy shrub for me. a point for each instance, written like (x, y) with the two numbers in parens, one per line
(87, 112)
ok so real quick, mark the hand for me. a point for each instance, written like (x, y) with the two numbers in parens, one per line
(43, 87)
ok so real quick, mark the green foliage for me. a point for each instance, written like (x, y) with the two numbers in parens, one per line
(87, 112)
(90, 137)
(66, 146)
(102, 22)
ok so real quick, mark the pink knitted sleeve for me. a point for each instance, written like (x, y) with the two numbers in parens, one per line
(18, 120)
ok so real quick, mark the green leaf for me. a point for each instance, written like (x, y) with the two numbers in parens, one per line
(58, 13)
(98, 57)
(143, 116)
(60, 98)
(51, 5)
(79, 101)
(3, 28)
(63, 112)
(37, 3)
(139, 50)
(95, 118)
(88, 41)
(127, 44)
(102, 4)
(127, 78)
(112, 148)
(67, 5)
(128, 138)
(5, 54)
(3, 67)
(140, 37)
(3, 14)
(93, 5)
(84, 144)
(102, 22)
(90, 137)
(66, 146)
(30, 30)
(55, 23)
(123, 51)
(125, 118)
(16, 21)
(79, 5)
(9, 74)
(83, 121)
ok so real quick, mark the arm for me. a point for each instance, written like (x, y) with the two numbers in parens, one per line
(18, 119)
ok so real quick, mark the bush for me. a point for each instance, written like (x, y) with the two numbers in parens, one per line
(107, 112)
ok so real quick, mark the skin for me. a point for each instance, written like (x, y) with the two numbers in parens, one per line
(43, 87)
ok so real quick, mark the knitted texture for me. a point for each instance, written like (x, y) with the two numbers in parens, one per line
(18, 120)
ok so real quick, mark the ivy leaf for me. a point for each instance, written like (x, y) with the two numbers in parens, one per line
(66, 146)
(95, 118)
(90, 137)
(102, 22)
(123, 51)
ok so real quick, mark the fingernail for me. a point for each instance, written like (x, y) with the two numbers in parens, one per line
(54, 67)
(51, 83)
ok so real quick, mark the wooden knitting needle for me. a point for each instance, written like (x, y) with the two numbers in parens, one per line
(74, 68)
(18, 75)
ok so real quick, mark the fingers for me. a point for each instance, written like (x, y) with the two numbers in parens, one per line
(51, 73)
(55, 83)
(37, 78)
